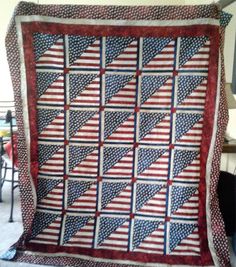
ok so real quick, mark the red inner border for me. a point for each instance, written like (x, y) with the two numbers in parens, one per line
(28, 28)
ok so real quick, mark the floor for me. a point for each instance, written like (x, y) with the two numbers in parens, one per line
(10, 232)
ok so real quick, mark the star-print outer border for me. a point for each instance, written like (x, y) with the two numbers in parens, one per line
(30, 8)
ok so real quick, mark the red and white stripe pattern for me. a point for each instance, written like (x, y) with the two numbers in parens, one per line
(125, 96)
(156, 205)
(200, 61)
(162, 97)
(49, 235)
(158, 169)
(193, 136)
(86, 202)
(88, 166)
(191, 173)
(55, 130)
(127, 58)
(55, 165)
(160, 133)
(120, 203)
(153, 243)
(53, 199)
(53, 57)
(118, 240)
(123, 168)
(125, 132)
(189, 246)
(197, 98)
(54, 93)
(163, 60)
(189, 209)
(90, 58)
(89, 96)
(84, 237)
(89, 131)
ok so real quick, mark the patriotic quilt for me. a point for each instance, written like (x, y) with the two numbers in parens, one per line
(121, 115)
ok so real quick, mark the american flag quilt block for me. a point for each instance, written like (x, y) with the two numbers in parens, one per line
(121, 122)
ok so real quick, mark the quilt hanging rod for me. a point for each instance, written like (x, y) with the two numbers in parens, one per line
(225, 3)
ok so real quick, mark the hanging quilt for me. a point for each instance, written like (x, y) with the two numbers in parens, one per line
(121, 114)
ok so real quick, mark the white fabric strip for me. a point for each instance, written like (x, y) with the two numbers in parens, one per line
(148, 23)
(25, 105)
(208, 171)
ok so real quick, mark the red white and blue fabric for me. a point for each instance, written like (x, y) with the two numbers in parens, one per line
(121, 123)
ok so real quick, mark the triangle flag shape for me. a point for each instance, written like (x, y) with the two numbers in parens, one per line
(107, 226)
(90, 95)
(110, 191)
(55, 129)
(152, 46)
(164, 59)
(44, 81)
(147, 156)
(45, 117)
(90, 58)
(187, 123)
(156, 238)
(113, 120)
(78, 83)
(156, 203)
(194, 53)
(143, 229)
(84, 126)
(181, 194)
(158, 169)
(125, 132)
(82, 197)
(120, 202)
(45, 185)
(115, 46)
(157, 95)
(42, 42)
(88, 165)
(54, 164)
(49, 235)
(53, 56)
(191, 172)
(125, 96)
(195, 97)
(127, 59)
(118, 239)
(190, 245)
(53, 199)
(160, 133)
(179, 232)
(54, 94)
(189, 208)
(83, 237)
(43, 221)
(113, 155)
(182, 159)
(78, 45)
(73, 224)
(123, 167)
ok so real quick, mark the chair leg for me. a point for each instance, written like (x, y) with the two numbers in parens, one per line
(12, 196)
(1, 183)
(1, 178)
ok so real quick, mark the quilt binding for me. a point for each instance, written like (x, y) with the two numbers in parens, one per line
(210, 161)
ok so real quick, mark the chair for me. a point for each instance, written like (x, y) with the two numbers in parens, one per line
(8, 160)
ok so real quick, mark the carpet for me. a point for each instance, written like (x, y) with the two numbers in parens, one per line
(121, 114)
